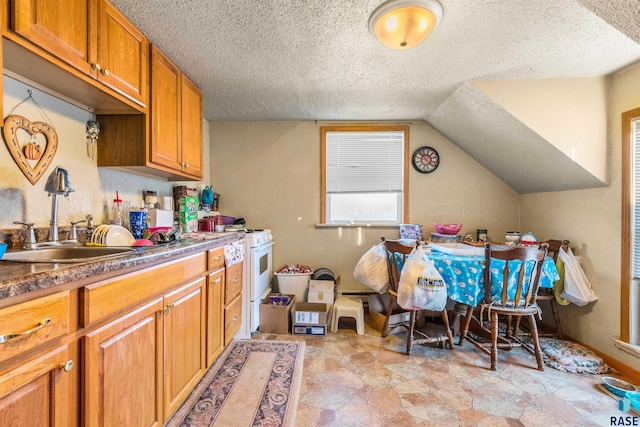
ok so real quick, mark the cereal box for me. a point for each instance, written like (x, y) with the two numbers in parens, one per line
(189, 214)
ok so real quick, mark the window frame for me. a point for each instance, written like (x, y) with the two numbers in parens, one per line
(362, 128)
(626, 225)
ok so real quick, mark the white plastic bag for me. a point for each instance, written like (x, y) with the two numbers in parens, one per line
(371, 270)
(577, 288)
(421, 285)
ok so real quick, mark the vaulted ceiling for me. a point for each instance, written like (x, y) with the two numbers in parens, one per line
(265, 60)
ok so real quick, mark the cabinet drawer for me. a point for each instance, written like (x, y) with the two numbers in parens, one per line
(232, 319)
(233, 282)
(215, 259)
(27, 325)
(114, 295)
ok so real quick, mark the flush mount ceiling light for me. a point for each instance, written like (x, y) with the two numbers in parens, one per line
(403, 24)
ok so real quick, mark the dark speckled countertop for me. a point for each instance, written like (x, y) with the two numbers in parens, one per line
(18, 278)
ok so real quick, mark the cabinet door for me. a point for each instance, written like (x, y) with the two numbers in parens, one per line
(191, 129)
(123, 54)
(185, 343)
(165, 111)
(215, 315)
(65, 28)
(43, 392)
(123, 370)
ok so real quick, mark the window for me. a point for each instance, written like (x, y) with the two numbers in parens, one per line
(630, 275)
(364, 174)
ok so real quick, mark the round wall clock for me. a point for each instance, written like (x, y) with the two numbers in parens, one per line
(425, 159)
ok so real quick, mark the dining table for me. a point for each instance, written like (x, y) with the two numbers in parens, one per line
(463, 273)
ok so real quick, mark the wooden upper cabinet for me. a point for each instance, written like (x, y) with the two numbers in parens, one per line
(192, 128)
(122, 61)
(64, 28)
(165, 111)
(176, 119)
(91, 36)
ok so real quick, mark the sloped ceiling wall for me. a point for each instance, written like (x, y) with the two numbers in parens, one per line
(506, 146)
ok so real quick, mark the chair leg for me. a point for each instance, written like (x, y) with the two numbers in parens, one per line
(536, 344)
(412, 324)
(467, 322)
(385, 328)
(516, 331)
(494, 340)
(445, 320)
(556, 317)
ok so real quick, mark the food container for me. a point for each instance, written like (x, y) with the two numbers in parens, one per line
(445, 238)
(447, 228)
(411, 231)
(618, 386)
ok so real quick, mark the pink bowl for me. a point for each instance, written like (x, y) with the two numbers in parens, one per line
(448, 228)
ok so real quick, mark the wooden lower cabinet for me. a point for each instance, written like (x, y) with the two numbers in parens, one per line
(185, 343)
(43, 391)
(215, 315)
(122, 372)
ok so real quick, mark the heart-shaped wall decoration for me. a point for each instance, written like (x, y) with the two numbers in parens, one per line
(18, 127)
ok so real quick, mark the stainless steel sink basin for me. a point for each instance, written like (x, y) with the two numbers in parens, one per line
(66, 254)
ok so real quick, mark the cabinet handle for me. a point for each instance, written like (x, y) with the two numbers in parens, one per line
(106, 72)
(97, 66)
(42, 324)
(236, 279)
(235, 318)
(168, 307)
(186, 165)
(218, 280)
(67, 366)
(217, 258)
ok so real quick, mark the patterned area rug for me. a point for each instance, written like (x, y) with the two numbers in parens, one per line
(253, 383)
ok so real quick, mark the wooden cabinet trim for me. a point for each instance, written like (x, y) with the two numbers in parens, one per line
(27, 316)
(109, 297)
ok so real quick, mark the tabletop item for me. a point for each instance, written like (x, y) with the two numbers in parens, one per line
(512, 238)
(481, 234)
(116, 214)
(138, 223)
(447, 228)
(528, 239)
(411, 231)
(445, 238)
(207, 196)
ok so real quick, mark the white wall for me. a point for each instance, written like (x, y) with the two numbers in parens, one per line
(591, 220)
(269, 174)
(569, 113)
(94, 187)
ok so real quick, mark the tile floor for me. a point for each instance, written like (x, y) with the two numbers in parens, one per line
(367, 380)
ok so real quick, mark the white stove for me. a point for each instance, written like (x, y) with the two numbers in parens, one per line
(257, 275)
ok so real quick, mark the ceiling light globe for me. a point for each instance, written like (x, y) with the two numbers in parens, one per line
(403, 24)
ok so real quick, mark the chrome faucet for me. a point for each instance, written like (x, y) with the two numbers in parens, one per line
(57, 184)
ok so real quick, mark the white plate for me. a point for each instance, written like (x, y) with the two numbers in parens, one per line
(118, 236)
(99, 233)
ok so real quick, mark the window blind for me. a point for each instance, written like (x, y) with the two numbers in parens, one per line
(364, 162)
(635, 215)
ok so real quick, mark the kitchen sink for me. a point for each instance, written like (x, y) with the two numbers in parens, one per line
(67, 254)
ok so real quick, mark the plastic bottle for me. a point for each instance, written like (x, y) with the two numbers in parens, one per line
(116, 215)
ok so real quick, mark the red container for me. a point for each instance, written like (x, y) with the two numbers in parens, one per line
(206, 224)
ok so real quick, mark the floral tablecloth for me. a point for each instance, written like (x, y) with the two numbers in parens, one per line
(464, 275)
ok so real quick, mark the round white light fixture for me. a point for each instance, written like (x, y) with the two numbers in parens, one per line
(403, 24)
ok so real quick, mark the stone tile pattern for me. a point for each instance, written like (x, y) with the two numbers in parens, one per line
(367, 380)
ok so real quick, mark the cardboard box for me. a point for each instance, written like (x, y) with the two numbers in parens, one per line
(275, 319)
(377, 304)
(321, 291)
(188, 214)
(310, 318)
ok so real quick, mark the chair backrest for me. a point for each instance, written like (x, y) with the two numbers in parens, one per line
(397, 254)
(523, 292)
(554, 247)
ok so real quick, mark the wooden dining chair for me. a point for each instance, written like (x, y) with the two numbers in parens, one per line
(547, 294)
(504, 298)
(397, 254)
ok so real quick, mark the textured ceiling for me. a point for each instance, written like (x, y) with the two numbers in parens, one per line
(316, 60)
